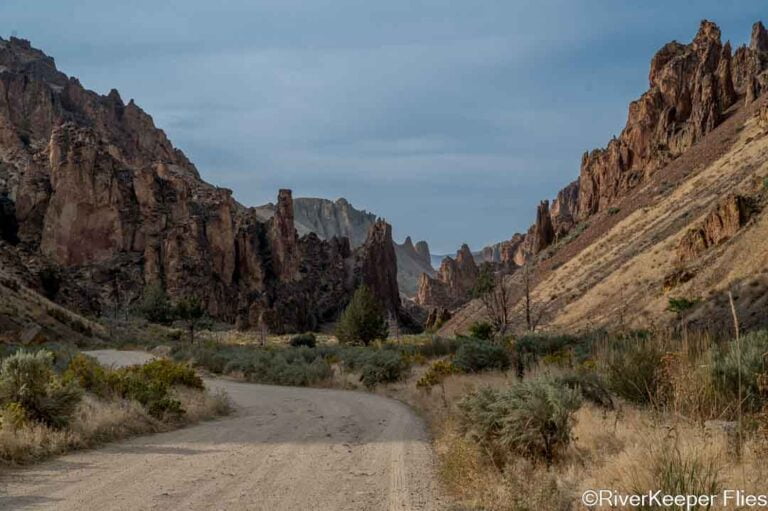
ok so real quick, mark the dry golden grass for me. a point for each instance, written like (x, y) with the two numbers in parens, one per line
(631, 449)
(97, 422)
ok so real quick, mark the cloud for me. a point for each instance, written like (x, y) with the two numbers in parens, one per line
(451, 119)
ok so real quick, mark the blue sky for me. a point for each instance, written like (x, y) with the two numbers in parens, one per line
(450, 119)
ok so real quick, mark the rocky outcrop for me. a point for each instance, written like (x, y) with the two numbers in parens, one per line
(422, 249)
(722, 223)
(378, 266)
(411, 264)
(453, 284)
(328, 219)
(542, 233)
(89, 186)
(437, 317)
(762, 117)
(564, 210)
(285, 255)
(691, 87)
(749, 65)
(512, 251)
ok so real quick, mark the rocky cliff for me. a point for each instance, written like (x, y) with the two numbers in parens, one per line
(692, 90)
(94, 192)
(453, 283)
(328, 218)
(673, 206)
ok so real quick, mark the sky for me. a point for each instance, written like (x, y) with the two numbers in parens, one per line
(451, 119)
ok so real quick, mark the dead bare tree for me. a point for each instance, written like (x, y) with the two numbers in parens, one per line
(495, 296)
(533, 312)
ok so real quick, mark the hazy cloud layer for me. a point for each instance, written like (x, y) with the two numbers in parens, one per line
(450, 119)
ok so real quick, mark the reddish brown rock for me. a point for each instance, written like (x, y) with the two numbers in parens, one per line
(722, 223)
(98, 190)
(564, 209)
(690, 89)
(437, 317)
(749, 64)
(543, 233)
(759, 39)
(453, 283)
(512, 251)
(284, 238)
(378, 266)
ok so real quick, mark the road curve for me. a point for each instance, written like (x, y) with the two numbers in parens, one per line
(285, 448)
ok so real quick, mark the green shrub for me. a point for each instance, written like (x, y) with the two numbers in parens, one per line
(171, 373)
(28, 382)
(533, 418)
(363, 320)
(530, 349)
(307, 339)
(300, 366)
(149, 384)
(590, 385)
(384, 366)
(481, 330)
(680, 305)
(438, 347)
(753, 363)
(474, 355)
(155, 305)
(633, 368)
(613, 211)
(88, 374)
(153, 395)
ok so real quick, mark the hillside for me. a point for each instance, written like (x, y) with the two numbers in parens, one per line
(671, 211)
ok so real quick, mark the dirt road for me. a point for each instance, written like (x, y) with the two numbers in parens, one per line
(285, 449)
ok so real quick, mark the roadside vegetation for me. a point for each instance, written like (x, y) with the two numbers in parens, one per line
(53, 400)
(630, 412)
(523, 422)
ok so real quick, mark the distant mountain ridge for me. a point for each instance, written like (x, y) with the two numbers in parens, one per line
(328, 218)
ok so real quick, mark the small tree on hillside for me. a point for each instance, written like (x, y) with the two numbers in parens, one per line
(363, 320)
(155, 305)
(190, 311)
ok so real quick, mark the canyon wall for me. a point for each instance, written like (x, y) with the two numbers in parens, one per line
(92, 190)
